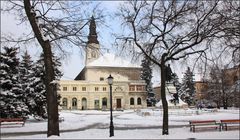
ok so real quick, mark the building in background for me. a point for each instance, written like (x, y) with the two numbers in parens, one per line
(90, 89)
(201, 89)
(228, 88)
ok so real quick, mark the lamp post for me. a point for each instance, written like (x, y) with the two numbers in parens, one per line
(110, 82)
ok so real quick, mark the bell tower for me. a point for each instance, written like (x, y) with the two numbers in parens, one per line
(93, 47)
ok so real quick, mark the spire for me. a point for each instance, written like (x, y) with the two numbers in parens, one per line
(92, 37)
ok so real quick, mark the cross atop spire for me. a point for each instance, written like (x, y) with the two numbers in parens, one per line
(92, 37)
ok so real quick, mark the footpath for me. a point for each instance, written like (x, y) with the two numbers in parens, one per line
(92, 126)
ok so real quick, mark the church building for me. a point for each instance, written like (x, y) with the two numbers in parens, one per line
(90, 89)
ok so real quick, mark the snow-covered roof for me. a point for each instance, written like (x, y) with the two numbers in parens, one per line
(111, 60)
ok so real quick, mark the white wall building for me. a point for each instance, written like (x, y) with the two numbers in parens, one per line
(90, 89)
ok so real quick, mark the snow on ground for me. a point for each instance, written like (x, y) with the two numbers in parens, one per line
(175, 133)
(128, 124)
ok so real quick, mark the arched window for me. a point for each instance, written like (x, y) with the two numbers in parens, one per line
(104, 101)
(74, 103)
(64, 103)
(139, 101)
(131, 101)
(84, 103)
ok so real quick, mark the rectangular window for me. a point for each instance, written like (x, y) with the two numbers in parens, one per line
(96, 88)
(64, 88)
(131, 88)
(74, 88)
(139, 88)
(104, 89)
(101, 79)
(83, 88)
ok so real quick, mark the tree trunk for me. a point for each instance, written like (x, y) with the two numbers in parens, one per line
(224, 100)
(225, 105)
(52, 105)
(51, 89)
(163, 96)
(218, 104)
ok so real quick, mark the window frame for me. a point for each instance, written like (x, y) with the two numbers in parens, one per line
(132, 101)
(139, 101)
(64, 88)
(132, 88)
(84, 89)
(104, 89)
(96, 88)
(74, 88)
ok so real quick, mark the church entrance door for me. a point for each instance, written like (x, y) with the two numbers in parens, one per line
(104, 103)
(119, 104)
(84, 103)
(96, 104)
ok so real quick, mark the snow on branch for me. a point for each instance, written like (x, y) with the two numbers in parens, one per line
(54, 82)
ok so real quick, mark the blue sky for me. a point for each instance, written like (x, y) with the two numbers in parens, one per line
(74, 62)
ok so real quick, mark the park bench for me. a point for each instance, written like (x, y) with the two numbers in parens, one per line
(9, 121)
(233, 123)
(204, 125)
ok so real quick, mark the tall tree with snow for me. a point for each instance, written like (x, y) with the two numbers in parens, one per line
(33, 86)
(53, 24)
(39, 90)
(146, 74)
(26, 78)
(187, 90)
(176, 82)
(57, 72)
(40, 95)
(11, 96)
(56, 66)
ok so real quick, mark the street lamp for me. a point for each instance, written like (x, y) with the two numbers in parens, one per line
(110, 82)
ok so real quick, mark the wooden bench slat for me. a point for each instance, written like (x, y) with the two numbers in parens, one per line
(8, 121)
(222, 125)
(203, 124)
(11, 119)
(226, 124)
(204, 121)
(229, 121)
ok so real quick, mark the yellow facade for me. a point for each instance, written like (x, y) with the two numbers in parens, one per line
(95, 95)
(90, 90)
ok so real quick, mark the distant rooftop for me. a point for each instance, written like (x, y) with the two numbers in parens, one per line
(111, 60)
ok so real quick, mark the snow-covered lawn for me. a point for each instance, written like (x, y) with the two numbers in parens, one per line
(128, 124)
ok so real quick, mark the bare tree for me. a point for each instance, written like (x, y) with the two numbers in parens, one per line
(220, 88)
(216, 89)
(226, 54)
(169, 30)
(53, 24)
(231, 31)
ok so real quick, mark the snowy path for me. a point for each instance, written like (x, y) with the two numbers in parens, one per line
(175, 133)
(90, 123)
